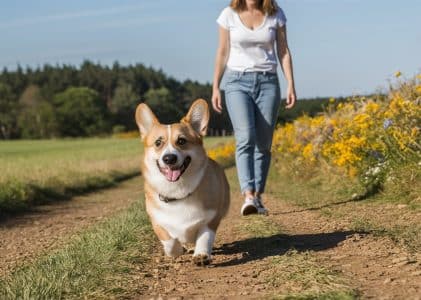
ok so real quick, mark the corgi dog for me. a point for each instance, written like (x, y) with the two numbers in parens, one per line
(186, 192)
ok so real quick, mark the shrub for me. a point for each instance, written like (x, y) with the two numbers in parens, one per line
(363, 137)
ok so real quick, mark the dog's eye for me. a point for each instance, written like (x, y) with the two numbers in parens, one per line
(181, 141)
(158, 143)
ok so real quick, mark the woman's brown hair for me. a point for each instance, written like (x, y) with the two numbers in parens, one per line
(267, 6)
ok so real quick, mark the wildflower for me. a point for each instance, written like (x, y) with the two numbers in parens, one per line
(372, 107)
(398, 74)
(308, 152)
(387, 123)
(375, 170)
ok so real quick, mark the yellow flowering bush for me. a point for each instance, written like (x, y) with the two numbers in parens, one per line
(362, 136)
(223, 154)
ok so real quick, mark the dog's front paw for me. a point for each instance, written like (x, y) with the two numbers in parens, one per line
(201, 260)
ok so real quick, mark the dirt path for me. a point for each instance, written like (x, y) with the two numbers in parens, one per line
(292, 251)
(27, 236)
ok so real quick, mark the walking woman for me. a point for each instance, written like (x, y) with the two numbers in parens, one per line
(252, 35)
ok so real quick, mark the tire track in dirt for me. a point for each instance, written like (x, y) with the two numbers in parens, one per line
(47, 227)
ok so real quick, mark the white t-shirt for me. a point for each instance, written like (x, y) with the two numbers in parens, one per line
(251, 49)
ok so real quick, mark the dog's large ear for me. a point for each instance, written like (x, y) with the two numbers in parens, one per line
(145, 119)
(198, 116)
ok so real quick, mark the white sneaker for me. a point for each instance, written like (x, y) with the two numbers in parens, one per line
(249, 207)
(260, 208)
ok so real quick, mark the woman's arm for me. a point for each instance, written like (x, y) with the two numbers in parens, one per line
(220, 61)
(284, 57)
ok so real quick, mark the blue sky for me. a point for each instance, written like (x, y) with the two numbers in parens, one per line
(339, 47)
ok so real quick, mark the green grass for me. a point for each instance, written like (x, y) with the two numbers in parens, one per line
(310, 189)
(300, 276)
(38, 171)
(408, 236)
(323, 184)
(333, 295)
(258, 226)
(95, 264)
(402, 186)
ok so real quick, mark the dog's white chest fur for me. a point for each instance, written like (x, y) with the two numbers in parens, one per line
(182, 218)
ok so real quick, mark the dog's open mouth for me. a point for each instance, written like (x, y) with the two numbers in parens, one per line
(174, 173)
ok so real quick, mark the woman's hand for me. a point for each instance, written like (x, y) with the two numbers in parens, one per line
(217, 101)
(291, 97)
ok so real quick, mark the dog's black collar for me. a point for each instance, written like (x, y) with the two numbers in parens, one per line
(167, 199)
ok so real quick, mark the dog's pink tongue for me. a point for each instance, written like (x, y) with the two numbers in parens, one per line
(173, 175)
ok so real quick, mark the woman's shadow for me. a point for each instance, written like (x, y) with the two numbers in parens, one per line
(261, 247)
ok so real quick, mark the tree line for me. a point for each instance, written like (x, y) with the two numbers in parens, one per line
(94, 99)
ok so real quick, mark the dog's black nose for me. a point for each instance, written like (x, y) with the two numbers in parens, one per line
(170, 159)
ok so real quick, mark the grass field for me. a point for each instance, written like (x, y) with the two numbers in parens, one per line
(37, 171)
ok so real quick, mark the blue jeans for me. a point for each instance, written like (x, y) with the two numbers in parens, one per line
(252, 100)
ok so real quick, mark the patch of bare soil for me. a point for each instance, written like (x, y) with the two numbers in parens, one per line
(27, 236)
(360, 264)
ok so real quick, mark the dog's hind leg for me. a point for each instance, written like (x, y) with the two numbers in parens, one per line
(172, 247)
(203, 247)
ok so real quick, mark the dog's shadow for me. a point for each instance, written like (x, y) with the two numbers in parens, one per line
(258, 248)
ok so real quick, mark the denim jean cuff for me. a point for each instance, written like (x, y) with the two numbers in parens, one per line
(247, 188)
